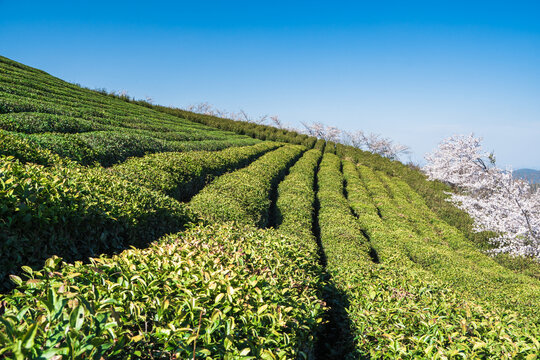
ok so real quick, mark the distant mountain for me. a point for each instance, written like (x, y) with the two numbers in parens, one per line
(528, 174)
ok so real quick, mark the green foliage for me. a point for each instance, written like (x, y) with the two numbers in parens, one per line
(416, 234)
(403, 270)
(111, 147)
(330, 147)
(244, 195)
(320, 144)
(338, 226)
(34, 122)
(12, 144)
(75, 212)
(296, 197)
(216, 292)
(398, 310)
(434, 195)
(182, 175)
(399, 315)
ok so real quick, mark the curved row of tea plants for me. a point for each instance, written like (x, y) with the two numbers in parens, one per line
(36, 123)
(215, 292)
(182, 175)
(245, 195)
(320, 144)
(337, 223)
(342, 247)
(75, 212)
(112, 147)
(296, 198)
(25, 151)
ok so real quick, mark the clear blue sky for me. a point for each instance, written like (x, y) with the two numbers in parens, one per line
(413, 71)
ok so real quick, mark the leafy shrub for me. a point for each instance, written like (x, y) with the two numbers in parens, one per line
(296, 197)
(66, 145)
(21, 148)
(31, 122)
(320, 144)
(75, 213)
(330, 147)
(215, 292)
(337, 223)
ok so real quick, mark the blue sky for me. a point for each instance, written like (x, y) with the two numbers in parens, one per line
(416, 72)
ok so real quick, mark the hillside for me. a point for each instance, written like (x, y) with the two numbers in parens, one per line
(131, 230)
(530, 175)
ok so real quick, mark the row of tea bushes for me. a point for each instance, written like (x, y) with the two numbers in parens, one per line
(75, 212)
(14, 145)
(295, 203)
(35, 123)
(215, 292)
(111, 147)
(244, 195)
(343, 247)
(320, 144)
(182, 174)
(338, 225)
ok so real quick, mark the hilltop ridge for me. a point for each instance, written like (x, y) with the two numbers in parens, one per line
(528, 174)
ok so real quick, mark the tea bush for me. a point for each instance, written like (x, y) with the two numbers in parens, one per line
(296, 197)
(216, 292)
(17, 146)
(75, 213)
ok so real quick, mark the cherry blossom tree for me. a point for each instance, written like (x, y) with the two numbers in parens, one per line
(321, 131)
(276, 121)
(493, 198)
(375, 143)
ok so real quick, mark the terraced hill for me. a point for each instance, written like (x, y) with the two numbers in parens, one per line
(208, 244)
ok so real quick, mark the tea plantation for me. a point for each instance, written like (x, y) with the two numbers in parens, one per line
(135, 231)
